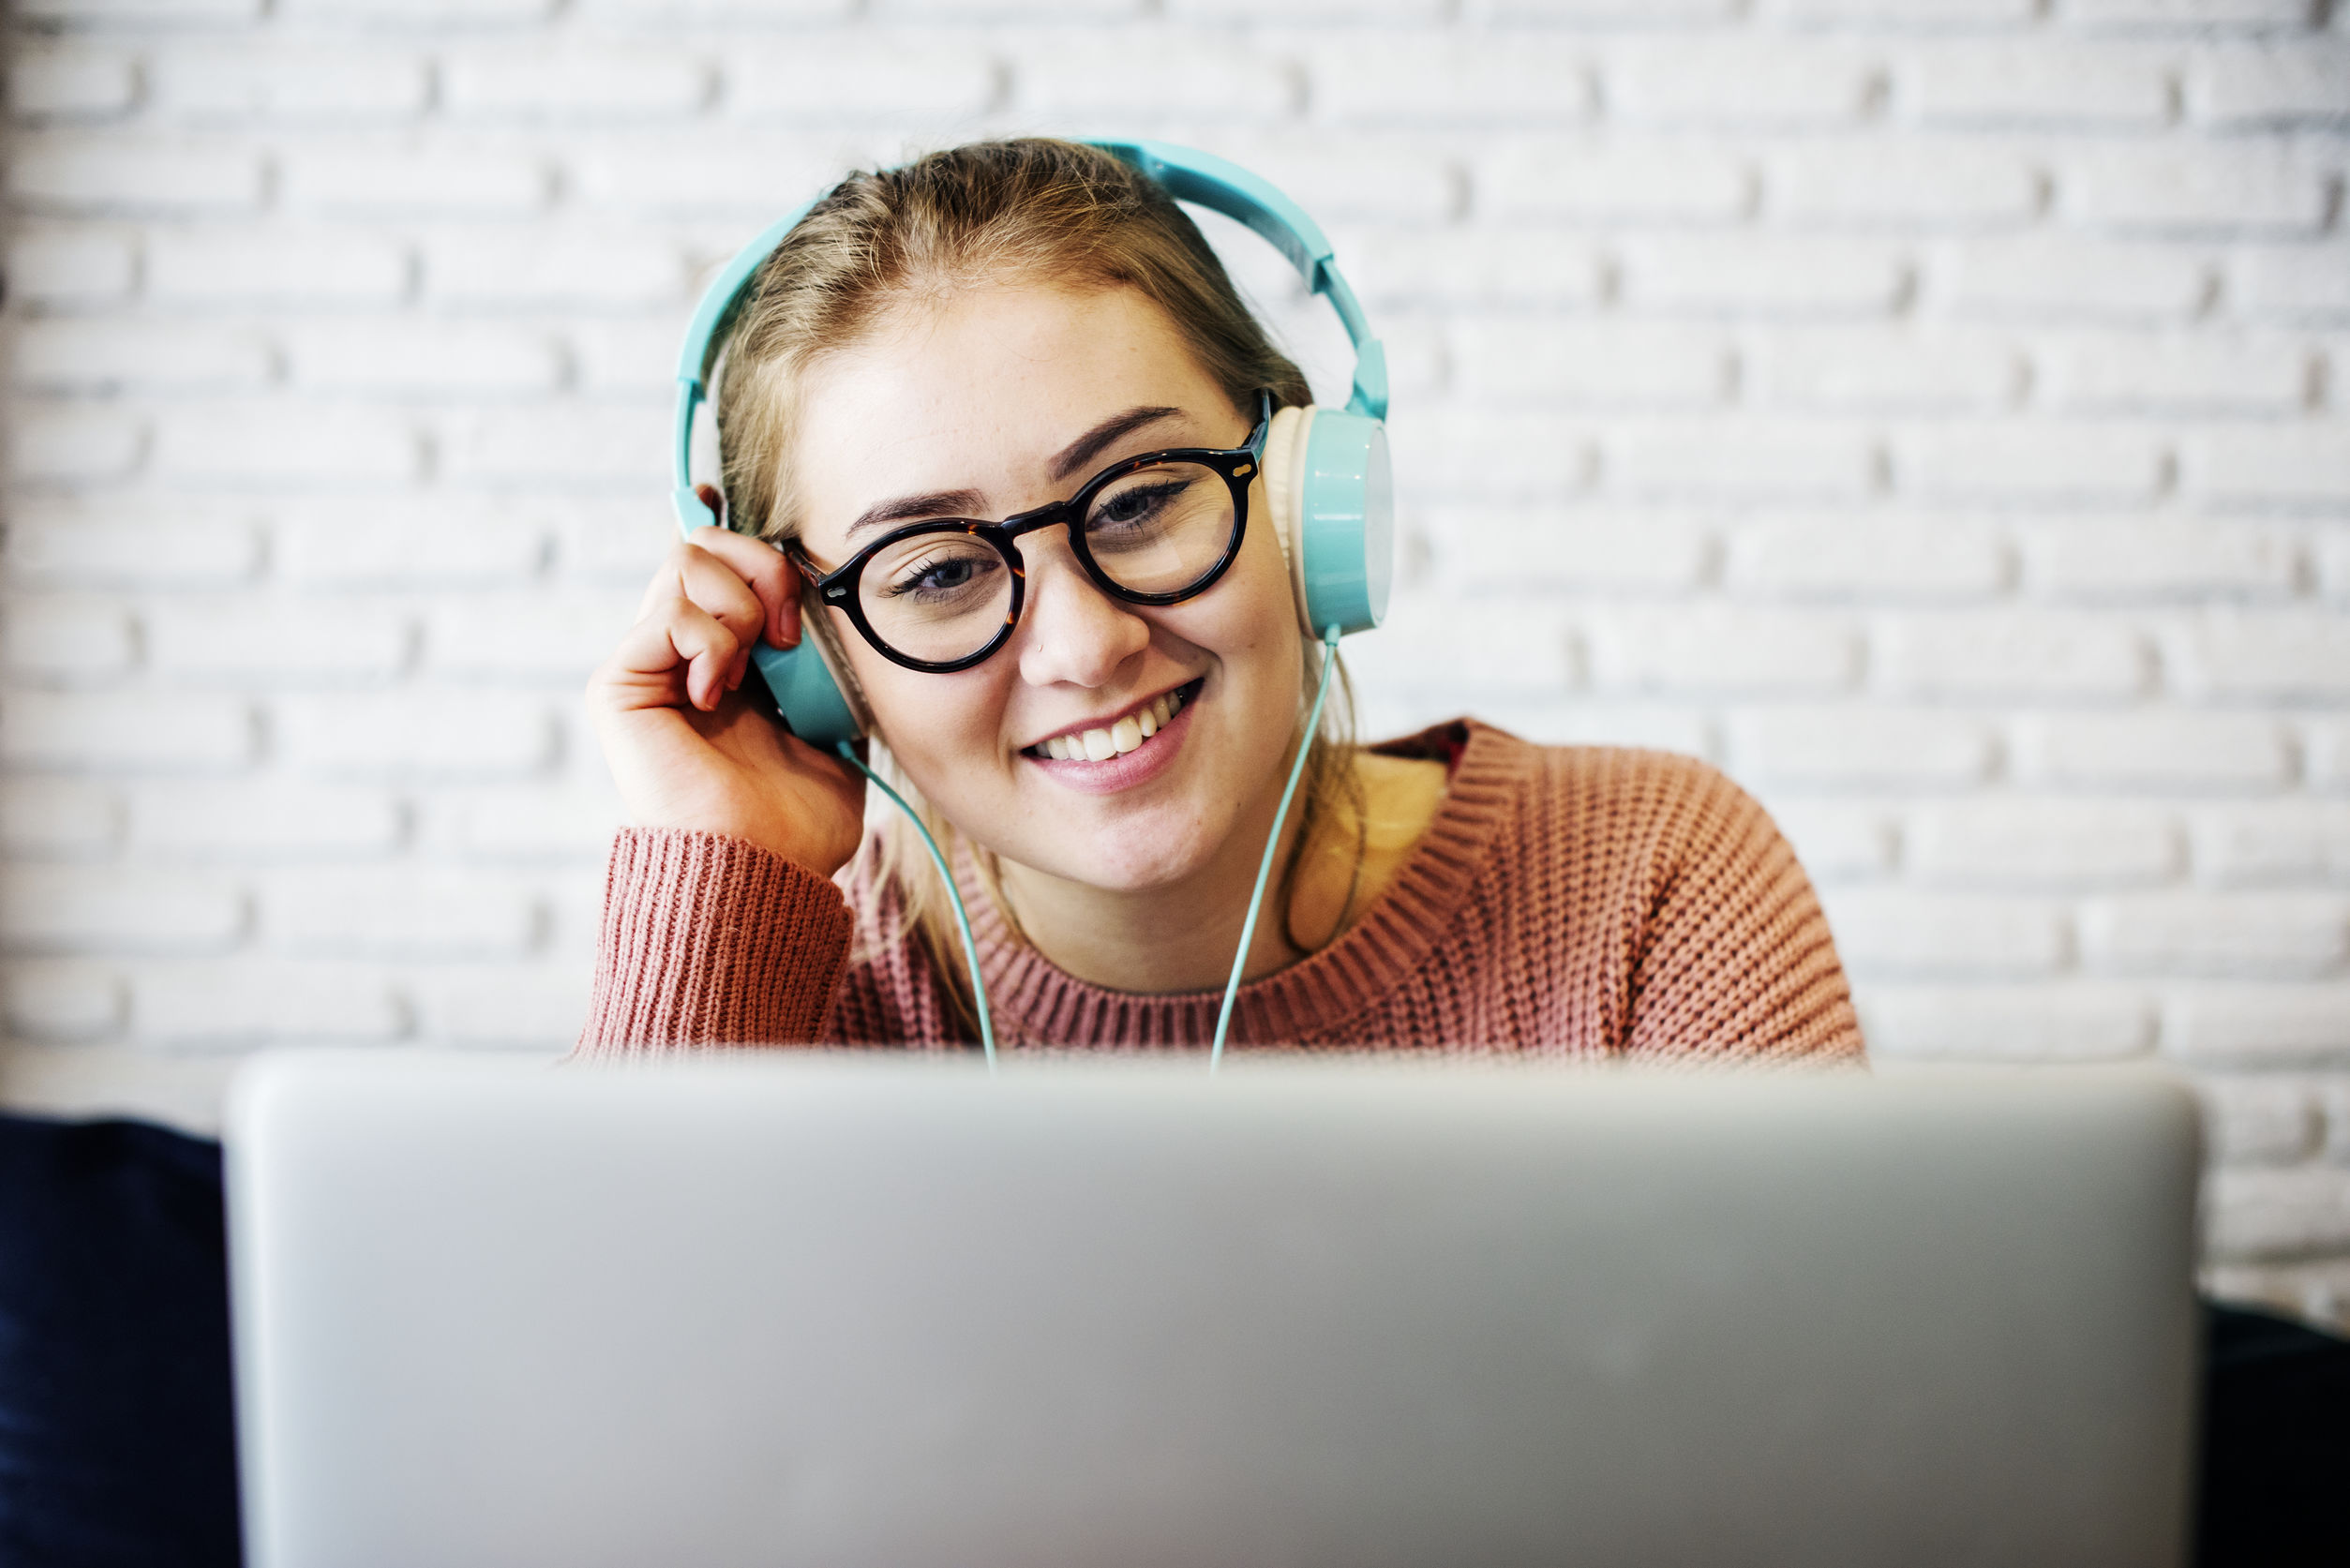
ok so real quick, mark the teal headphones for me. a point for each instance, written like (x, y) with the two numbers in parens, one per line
(1327, 474)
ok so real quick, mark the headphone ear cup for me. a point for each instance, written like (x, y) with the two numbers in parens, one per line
(1344, 550)
(814, 688)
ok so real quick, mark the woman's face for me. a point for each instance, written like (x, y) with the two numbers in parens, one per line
(999, 400)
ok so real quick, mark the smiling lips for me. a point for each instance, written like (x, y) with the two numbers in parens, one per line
(1100, 745)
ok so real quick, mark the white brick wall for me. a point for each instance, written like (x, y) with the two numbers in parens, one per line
(1936, 411)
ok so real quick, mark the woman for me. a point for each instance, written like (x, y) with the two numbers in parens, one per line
(984, 333)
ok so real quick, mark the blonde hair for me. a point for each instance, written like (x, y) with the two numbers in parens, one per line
(1030, 209)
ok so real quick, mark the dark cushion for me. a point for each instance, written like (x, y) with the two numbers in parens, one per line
(117, 1446)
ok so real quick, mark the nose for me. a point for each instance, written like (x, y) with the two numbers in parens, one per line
(1070, 629)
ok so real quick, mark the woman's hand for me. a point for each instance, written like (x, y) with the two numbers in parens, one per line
(686, 748)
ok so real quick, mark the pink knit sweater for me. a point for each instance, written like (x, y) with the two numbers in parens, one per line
(1565, 902)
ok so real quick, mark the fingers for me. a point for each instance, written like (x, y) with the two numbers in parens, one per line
(680, 649)
(768, 573)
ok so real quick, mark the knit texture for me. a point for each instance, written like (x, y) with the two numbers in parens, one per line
(1575, 902)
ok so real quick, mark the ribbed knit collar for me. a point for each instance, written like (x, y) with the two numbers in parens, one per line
(1034, 1002)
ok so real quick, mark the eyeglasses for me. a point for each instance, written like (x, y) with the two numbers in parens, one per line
(1159, 529)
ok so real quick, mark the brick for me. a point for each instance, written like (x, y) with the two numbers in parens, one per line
(459, 13)
(609, 542)
(1024, 10)
(285, 642)
(1848, 744)
(1516, 547)
(2334, 1100)
(2036, 82)
(1350, 12)
(572, 822)
(70, 641)
(71, 548)
(175, 12)
(1903, 15)
(2155, 749)
(2291, 464)
(562, 441)
(2260, 1214)
(2194, 14)
(756, 177)
(62, 171)
(763, 13)
(2308, 280)
(2040, 842)
(2239, 935)
(1549, 719)
(351, 178)
(2111, 372)
(464, 734)
(70, 82)
(2151, 558)
(1905, 932)
(259, 818)
(2326, 753)
(1838, 840)
(397, 911)
(544, 266)
(2270, 652)
(405, 354)
(430, 540)
(1141, 72)
(112, 909)
(83, 353)
(2332, 552)
(68, 264)
(280, 266)
(2274, 840)
(1735, 80)
(635, 356)
(1719, 647)
(1878, 368)
(2029, 459)
(1571, 13)
(2066, 1022)
(2298, 78)
(538, 1006)
(254, 80)
(1866, 556)
(1748, 458)
(822, 78)
(1585, 178)
(127, 730)
(1367, 177)
(61, 1000)
(2008, 652)
(58, 816)
(69, 443)
(1501, 645)
(2214, 186)
(2258, 1121)
(342, 445)
(1928, 181)
(253, 1001)
(1767, 274)
(1431, 79)
(1520, 358)
(522, 635)
(2068, 276)
(1488, 265)
(534, 78)
(2259, 1025)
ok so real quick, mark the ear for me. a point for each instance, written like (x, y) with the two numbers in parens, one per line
(1284, 494)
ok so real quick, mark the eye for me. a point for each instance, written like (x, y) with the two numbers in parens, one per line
(946, 572)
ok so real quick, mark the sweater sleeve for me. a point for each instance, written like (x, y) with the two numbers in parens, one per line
(710, 941)
(1735, 958)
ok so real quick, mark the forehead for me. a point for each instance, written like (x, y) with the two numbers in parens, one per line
(978, 390)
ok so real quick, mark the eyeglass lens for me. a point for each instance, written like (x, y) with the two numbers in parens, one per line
(941, 597)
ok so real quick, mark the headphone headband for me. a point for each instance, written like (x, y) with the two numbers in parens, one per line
(1187, 175)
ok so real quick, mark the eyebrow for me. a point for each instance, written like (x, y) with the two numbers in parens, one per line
(959, 504)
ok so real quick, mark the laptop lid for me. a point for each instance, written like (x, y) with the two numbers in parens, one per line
(787, 1310)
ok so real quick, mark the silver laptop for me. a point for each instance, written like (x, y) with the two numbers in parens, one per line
(825, 1310)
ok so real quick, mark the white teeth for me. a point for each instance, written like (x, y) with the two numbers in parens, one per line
(1098, 746)
(1126, 735)
(1148, 721)
(1058, 748)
